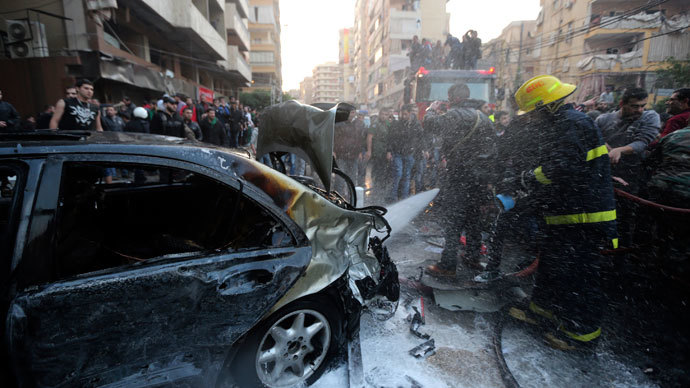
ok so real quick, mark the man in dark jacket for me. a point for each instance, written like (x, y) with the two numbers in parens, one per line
(400, 146)
(44, 117)
(191, 126)
(472, 49)
(236, 119)
(213, 130)
(9, 118)
(139, 122)
(168, 122)
(111, 121)
(467, 137)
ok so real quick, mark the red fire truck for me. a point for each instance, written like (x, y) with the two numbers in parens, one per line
(431, 85)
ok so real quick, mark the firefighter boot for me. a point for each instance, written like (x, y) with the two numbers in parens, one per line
(440, 271)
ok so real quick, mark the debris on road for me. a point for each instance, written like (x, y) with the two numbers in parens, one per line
(424, 350)
(415, 383)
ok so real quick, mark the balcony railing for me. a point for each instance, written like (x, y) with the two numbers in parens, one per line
(192, 24)
(238, 33)
(237, 63)
(242, 7)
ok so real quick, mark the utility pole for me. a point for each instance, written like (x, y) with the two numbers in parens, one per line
(518, 79)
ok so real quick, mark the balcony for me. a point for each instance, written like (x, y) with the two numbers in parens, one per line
(237, 64)
(607, 16)
(611, 62)
(238, 33)
(241, 6)
(189, 26)
(404, 24)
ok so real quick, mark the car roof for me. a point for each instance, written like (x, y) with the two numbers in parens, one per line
(42, 142)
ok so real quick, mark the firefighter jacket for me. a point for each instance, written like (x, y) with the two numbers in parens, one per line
(572, 182)
(467, 142)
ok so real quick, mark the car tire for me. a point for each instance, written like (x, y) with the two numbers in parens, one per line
(298, 340)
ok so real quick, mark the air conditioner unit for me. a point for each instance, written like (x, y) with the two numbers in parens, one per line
(26, 39)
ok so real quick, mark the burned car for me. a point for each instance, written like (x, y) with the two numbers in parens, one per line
(195, 264)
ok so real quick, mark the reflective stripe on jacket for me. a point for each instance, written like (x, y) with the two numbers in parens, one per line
(573, 178)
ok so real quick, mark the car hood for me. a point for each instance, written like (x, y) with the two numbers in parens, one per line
(303, 130)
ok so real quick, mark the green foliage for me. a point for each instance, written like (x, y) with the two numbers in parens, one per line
(674, 74)
(258, 99)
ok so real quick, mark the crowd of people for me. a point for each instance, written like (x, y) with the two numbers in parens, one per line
(551, 170)
(223, 122)
(451, 54)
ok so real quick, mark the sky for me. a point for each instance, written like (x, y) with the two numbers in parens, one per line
(310, 28)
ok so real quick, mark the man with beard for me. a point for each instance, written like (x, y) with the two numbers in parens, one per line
(677, 105)
(167, 122)
(627, 133)
(77, 113)
(190, 126)
(467, 137)
(213, 130)
(111, 121)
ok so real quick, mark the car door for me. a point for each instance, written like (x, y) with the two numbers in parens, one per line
(150, 282)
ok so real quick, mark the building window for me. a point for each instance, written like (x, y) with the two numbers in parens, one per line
(261, 57)
(569, 35)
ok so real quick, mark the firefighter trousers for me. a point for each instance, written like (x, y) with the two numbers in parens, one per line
(569, 283)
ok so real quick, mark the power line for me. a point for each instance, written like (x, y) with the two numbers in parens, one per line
(586, 29)
(595, 51)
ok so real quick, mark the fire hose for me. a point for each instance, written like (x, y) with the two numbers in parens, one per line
(646, 202)
(506, 375)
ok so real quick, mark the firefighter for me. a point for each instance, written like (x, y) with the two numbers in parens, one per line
(571, 188)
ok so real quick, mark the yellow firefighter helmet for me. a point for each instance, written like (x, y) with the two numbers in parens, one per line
(541, 90)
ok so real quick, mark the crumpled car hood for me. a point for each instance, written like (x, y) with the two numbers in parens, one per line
(303, 130)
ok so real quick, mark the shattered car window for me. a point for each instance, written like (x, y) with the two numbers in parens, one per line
(112, 215)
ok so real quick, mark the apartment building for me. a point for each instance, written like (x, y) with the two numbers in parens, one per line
(609, 42)
(265, 53)
(345, 52)
(383, 34)
(138, 48)
(306, 90)
(327, 83)
(511, 55)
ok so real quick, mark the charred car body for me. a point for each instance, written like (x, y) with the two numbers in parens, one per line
(199, 265)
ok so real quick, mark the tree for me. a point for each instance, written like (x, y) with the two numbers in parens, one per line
(674, 74)
(258, 99)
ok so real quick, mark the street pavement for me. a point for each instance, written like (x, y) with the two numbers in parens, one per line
(464, 354)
